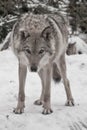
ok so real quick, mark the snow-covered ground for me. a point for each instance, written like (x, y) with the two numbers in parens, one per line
(63, 118)
(80, 44)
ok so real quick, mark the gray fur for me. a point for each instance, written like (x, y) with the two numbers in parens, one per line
(71, 49)
(39, 41)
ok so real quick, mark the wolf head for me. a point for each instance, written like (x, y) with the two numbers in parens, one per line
(36, 49)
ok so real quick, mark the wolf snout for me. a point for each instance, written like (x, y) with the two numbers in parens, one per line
(33, 68)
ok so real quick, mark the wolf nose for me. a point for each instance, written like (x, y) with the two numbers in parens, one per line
(33, 68)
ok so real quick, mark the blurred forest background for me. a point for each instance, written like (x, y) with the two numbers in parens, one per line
(74, 10)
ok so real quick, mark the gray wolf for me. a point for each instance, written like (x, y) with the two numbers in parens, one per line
(71, 49)
(76, 46)
(40, 42)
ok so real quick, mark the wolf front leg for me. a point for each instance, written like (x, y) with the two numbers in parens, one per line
(45, 75)
(21, 95)
(47, 89)
(62, 65)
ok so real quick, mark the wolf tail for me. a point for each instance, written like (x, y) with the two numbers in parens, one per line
(5, 45)
(56, 73)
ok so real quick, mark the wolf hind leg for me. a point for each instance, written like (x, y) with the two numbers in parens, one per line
(41, 99)
(56, 73)
(62, 65)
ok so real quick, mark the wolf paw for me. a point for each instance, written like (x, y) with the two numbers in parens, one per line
(47, 111)
(70, 102)
(20, 108)
(38, 102)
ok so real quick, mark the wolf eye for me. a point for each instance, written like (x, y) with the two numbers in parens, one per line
(28, 51)
(41, 51)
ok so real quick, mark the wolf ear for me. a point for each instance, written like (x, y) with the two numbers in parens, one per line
(47, 33)
(23, 34)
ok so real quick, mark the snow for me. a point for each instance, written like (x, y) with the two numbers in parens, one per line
(5, 41)
(63, 117)
(81, 45)
(83, 36)
(7, 19)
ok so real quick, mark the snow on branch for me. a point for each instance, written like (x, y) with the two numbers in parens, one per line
(8, 19)
(42, 8)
